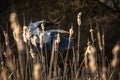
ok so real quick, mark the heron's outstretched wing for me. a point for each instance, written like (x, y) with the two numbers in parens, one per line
(57, 31)
(53, 32)
(64, 41)
(63, 45)
(34, 25)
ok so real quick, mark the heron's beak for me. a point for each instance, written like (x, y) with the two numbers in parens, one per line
(63, 31)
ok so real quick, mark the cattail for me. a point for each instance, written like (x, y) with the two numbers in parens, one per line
(16, 34)
(116, 49)
(58, 38)
(26, 34)
(92, 63)
(79, 18)
(10, 64)
(5, 54)
(57, 41)
(90, 52)
(79, 24)
(6, 38)
(4, 74)
(16, 30)
(56, 45)
(91, 31)
(43, 26)
(36, 71)
(33, 40)
(99, 38)
(25, 30)
(86, 60)
(13, 19)
(32, 53)
(116, 62)
(92, 36)
(116, 57)
(104, 73)
(86, 54)
(71, 32)
(8, 53)
(103, 39)
(41, 37)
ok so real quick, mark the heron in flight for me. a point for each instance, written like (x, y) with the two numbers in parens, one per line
(50, 35)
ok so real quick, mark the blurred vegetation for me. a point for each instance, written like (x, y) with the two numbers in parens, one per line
(100, 16)
(105, 12)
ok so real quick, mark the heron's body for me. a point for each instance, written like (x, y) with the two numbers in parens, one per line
(49, 36)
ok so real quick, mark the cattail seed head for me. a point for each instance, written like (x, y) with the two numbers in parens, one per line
(16, 30)
(34, 40)
(79, 18)
(28, 34)
(6, 38)
(25, 30)
(55, 45)
(104, 73)
(4, 74)
(57, 41)
(92, 65)
(116, 49)
(116, 55)
(32, 53)
(13, 17)
(71, 32)
(43, 26)
(91, 30)
(90, 55)
(114, 62)
(103, 39)
(99, 41)
(58, 38)
(41, 36)
(92, 34)
(36, 71)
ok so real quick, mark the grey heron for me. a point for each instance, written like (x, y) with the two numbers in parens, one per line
(49, 36)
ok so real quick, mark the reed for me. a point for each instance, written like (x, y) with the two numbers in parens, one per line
(30, 61)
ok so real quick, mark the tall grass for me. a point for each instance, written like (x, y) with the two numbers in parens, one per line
(29, 62)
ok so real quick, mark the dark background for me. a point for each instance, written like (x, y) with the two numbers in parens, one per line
(105, 12)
